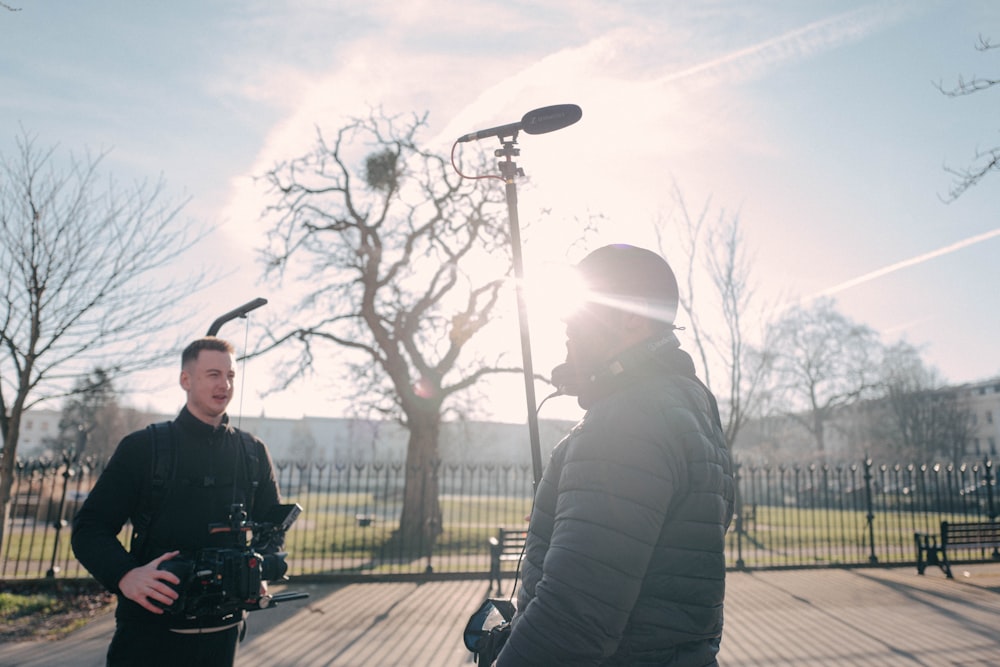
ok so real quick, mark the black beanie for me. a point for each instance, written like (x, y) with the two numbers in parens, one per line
(620, 275)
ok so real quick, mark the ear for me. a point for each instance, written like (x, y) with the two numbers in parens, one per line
(185, 381)
(634, 322)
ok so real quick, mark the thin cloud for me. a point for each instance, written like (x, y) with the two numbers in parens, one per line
(795, 44)
(913, 261)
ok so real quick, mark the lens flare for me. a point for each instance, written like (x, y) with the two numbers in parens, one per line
(424, 388)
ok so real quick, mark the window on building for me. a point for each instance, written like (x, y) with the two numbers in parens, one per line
(989, 416)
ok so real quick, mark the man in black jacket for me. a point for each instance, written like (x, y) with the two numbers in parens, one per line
(625, 563)
(212, 466)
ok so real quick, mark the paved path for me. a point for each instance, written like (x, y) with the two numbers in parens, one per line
(773, 618)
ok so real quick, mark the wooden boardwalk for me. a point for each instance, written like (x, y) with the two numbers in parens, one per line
(823, 617)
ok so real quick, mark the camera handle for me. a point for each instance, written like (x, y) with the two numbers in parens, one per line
(273, 600)
(238, 525)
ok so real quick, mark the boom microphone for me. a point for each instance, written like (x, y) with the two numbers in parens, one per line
(538, 121)
(549, 119)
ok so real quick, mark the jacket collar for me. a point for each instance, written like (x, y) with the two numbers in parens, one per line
(197, 428)
(658, 355)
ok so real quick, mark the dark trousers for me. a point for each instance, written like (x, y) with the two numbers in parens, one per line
(143, 645)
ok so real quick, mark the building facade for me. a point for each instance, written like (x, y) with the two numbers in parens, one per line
(983, 402)
(857, 430)
(344, 439)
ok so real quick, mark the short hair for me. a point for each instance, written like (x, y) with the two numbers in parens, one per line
(621, 276)
(194, 348)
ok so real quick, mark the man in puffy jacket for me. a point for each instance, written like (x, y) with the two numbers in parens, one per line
(625, 563)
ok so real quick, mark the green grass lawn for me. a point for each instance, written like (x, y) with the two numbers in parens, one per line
(355, 531)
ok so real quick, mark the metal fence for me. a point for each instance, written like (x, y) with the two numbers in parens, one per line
(787, 516)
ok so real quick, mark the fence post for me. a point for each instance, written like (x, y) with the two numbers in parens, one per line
(872, 558)
(740, 564)
(59, 522)
(432, 521)
(990, 507)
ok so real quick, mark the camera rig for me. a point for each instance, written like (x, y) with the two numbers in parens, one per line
(223, 581)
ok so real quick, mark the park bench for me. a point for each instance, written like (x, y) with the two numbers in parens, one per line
(981, 535)
(507, 545)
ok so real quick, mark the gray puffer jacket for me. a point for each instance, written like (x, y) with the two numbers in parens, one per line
(625, 560)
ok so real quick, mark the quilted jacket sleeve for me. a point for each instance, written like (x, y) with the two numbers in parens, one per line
(107, 507)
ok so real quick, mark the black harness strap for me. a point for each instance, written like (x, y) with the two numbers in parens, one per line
(162, 465)
(162, 479)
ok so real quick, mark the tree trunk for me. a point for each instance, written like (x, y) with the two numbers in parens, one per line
(819, 423)
(8, 464)
(420, 521)
(5, 487)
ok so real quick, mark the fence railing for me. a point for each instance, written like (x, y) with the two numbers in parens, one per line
(787, 516)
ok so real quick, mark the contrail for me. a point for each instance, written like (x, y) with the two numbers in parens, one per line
(919, 259)
(804, 41)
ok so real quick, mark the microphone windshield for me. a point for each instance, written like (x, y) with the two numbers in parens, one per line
(549, 119)
(562, 378)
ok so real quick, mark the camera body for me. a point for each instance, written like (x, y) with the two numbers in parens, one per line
(219, 581)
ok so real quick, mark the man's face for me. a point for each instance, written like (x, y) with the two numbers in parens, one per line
(208, 381)
(596, 334)
(591, 339)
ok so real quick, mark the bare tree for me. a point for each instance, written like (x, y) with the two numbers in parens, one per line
(93, 420)
(720, 252)
(404, 263)
(985, 160)
(80, 282)
(822, 362)
(923, 419)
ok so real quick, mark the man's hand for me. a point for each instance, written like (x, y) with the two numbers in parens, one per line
(146, 584)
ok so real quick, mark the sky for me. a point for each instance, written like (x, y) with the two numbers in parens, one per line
(818, 124)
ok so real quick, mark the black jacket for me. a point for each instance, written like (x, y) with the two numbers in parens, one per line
(199, 492)
(625, 562)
